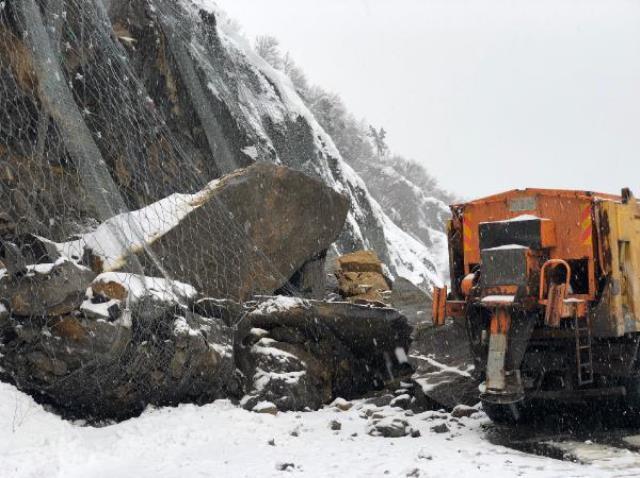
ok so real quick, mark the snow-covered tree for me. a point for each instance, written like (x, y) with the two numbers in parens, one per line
(268, 48)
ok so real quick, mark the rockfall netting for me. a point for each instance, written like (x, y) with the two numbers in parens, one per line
(113, 229)
(81, 140)
(145, 208)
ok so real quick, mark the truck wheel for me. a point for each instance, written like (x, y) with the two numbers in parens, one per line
(505, 414)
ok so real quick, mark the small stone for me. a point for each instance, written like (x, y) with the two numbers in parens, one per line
(272, 442)
(415, 433)
(442, 428)
(335, 425)
(402, 401)
(341, 404)
(460, 411)
(380, 400)
(285, 466)
(390, 428)
(424, 456)
(265, 407)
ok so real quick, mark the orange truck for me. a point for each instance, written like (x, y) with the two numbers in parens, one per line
(547, 283)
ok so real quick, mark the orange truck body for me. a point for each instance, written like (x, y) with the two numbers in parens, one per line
(568, 261)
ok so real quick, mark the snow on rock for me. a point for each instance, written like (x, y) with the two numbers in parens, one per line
(179, 442)
(129, 232)
(139, 287)
(279, 303)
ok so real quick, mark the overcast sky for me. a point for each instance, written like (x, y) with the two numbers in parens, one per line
(488, 94)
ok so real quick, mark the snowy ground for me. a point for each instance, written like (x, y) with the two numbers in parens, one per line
(221, 440)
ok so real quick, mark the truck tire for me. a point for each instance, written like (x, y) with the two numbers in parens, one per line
(506, 414)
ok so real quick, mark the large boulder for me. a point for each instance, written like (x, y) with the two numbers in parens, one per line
(134, 341)
(300, 354)
(257, 227)
(245, 234)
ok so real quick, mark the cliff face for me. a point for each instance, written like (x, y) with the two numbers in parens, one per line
(171, 103)
(419, 209)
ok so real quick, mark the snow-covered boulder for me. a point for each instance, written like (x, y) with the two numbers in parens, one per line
(300, 354)
(133, 342)
(285, 219)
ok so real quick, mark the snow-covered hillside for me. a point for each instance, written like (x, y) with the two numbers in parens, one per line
(222, 440)
(418, 209)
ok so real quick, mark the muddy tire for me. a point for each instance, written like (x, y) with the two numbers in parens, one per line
(506, 414)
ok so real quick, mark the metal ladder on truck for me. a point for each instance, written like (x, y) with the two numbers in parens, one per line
(584, 355)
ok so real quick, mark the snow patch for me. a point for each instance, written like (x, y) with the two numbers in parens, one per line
(139, 287)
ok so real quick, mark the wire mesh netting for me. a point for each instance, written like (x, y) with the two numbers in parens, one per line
(94, 172)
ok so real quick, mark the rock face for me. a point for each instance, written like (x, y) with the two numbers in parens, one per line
(412, 200)
(298, 353)
(158, 352)
(287, 218)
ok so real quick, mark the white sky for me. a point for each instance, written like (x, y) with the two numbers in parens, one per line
(488, 94)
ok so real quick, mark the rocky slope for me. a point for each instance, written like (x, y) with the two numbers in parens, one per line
(419, 209)
(178, 104)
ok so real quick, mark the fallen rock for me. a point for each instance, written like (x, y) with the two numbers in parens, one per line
(361, 278)
(441, 428)
(284, 375)
(401, 401)
(335, 425)
(342, 404)
(460, 411)
(380, 400)
(265, 407)
(329, 350)
(95, 368)
(52, 289)
(244, 234)
(389, 427)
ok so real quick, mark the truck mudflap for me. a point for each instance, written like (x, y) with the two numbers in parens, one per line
(509, 335)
